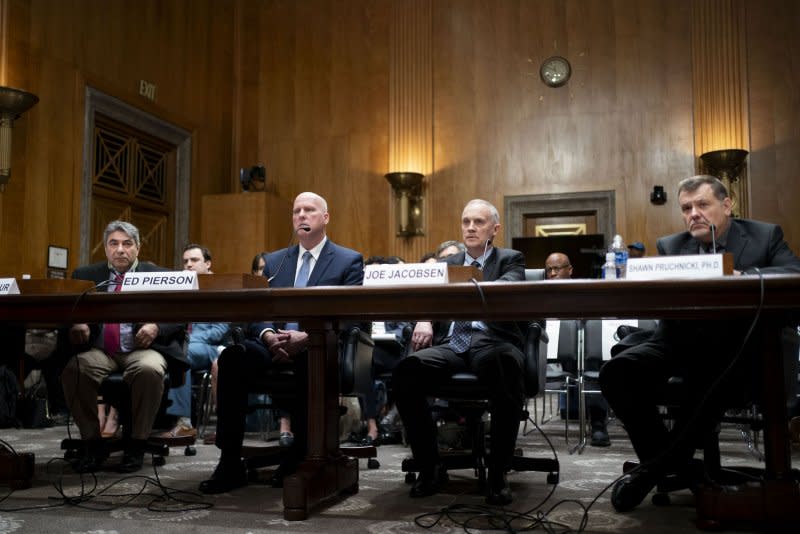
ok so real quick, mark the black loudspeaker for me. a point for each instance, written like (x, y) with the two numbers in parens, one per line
(658, 195)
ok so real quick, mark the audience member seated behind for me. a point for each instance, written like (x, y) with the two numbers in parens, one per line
(205, 340)
(558, 266)
(315, 261)
(636, 250)
(429, 257)
(143, 353)
(383, 361)
(699, 351)
(493, 351)
(448, 248)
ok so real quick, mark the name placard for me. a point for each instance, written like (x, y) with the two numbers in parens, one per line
(405, 274)
(8, 286)
(160, 281)
(692, 266)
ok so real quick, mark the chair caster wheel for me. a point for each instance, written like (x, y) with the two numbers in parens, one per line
(661, 499)
(158, 461)
(552, 478)
(411, 478)
(189, 451)
(373, 463)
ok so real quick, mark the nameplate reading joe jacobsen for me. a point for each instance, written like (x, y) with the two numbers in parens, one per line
(405, 274)
(672, 267)
(160, 281)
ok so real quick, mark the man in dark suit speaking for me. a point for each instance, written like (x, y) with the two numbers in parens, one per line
(702, 352)
(316, 261)
(493, 351)
(143, 352)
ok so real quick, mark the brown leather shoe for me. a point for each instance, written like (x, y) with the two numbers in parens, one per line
(179, 431)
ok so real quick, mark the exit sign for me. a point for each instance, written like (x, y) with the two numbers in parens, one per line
(147, 90)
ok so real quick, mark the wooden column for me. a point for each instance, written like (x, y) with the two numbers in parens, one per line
(410, 107)
(719, 76)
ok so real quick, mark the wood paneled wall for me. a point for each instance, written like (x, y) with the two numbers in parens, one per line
(56, 48)
(304, 88)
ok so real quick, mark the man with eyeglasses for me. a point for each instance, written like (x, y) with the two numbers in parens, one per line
(557, 266)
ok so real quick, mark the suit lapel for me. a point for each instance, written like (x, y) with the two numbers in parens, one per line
(736, 242)
(491, 266)
(285, 276)
(325, 258)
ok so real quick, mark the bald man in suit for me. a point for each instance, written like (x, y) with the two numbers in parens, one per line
(702, 352)
(315, 261)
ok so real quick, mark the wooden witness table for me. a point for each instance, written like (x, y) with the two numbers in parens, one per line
(326, 472)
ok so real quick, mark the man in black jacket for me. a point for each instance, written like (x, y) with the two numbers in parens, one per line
(701, 352)
(142, 352)
(492, 350)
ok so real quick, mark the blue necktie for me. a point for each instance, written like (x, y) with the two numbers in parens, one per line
(305, 269)
(462, 331)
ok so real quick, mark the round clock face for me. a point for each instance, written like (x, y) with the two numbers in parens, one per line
(555, 71)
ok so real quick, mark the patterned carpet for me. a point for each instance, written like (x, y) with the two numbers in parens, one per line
(135, 504)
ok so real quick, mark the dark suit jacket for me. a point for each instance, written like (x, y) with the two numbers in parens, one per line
(503, 265)
(171, 337)
(336, 266)
(752, 243)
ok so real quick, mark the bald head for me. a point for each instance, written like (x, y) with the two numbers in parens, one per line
(557, 265)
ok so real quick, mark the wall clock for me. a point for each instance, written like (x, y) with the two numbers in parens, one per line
(555, 71)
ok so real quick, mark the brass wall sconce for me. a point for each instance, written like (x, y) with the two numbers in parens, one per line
(409, 202)
(725, 164)
(13, 103)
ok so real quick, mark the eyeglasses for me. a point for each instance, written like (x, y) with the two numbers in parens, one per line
(556, 268)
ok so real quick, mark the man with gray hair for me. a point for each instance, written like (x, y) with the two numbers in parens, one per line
(448, 248)
(142, 352)
(492, 350)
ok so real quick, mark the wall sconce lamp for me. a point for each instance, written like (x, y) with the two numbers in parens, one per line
(725, 164)
(409, 202)
(13, 103)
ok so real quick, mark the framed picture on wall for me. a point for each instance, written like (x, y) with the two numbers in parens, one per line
(57, 257)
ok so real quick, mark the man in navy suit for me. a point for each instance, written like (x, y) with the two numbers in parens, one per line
(316, 261)
(492, 350)
(698, 351)
(143, 352)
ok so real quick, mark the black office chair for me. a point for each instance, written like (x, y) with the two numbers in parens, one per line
(468, 397)
(355, 373)
(399, 349)
(744, 412)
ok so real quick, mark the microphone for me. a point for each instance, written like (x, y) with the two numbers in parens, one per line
(713, 229)
(107, 283)
(485, 248)
(288, 247)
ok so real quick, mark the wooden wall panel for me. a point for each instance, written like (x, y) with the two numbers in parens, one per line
(774, 104)
(304, 88)
(182, 46)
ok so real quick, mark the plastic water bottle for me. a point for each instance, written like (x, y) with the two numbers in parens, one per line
(610, 267)
(620, 255)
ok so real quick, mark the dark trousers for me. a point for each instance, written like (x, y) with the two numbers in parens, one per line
(497, 364)
(702, 353)
(242, 369)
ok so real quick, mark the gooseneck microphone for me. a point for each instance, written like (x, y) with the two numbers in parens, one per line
(713, 229)
(306, 229)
